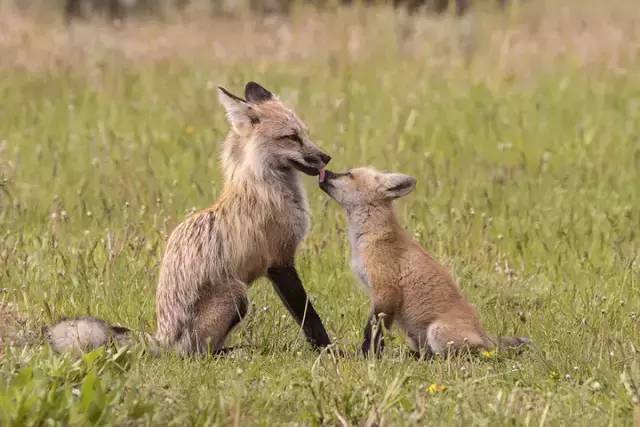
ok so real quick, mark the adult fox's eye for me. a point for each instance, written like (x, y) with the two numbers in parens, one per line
(293, 137)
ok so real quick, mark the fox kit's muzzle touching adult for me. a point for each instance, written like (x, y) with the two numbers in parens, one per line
(253, 230)
(406, 284)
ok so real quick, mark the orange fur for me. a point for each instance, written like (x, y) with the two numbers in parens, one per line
(406, 284)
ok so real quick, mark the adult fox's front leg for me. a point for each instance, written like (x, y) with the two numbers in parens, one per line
(287, 284)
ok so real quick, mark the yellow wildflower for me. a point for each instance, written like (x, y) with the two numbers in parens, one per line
(489, 354)
(436, 388)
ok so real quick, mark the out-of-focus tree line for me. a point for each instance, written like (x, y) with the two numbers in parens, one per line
(120, 9)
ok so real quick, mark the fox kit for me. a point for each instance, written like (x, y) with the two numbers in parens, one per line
(406, 284)
(252, 230)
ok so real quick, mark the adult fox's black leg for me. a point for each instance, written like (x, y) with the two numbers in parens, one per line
(287, 284)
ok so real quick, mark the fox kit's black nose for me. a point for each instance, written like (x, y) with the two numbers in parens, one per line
(325, 158)
(329, 175)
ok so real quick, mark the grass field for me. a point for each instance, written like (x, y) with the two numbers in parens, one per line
(523, 130)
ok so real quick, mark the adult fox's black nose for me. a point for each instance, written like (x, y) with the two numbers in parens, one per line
(325, 158)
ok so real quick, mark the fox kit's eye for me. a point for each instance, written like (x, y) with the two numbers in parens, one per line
(293, 137)
(350, 175)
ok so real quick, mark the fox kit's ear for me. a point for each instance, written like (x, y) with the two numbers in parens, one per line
(256, 94)
(398, 185)
(239, 113)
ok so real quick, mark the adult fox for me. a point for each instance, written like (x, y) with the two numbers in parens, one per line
(252, 230)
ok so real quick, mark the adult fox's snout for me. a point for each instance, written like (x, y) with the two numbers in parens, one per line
(312, 164)
(319, 160)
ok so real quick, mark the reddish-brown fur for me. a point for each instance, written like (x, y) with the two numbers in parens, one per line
(406, 284)
(256, 224)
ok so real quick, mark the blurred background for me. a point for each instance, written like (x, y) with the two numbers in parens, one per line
(519, 119)
(495, 35)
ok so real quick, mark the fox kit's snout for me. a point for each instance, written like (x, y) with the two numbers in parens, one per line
(406, 284)
(365, 186)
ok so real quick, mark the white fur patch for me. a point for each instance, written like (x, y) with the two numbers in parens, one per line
(357, 266)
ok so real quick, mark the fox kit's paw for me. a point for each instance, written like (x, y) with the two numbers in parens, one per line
(335, 351)
(513, 342)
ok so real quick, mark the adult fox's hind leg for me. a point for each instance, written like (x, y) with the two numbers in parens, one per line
(217, 312)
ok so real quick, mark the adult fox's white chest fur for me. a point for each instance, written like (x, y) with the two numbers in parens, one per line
(252, 230)
(406, 284)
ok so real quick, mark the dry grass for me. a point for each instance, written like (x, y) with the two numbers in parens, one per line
(532, 38)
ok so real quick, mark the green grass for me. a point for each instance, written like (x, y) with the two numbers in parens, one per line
(528, 189)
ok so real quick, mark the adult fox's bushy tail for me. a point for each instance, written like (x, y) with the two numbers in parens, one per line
(84, 334)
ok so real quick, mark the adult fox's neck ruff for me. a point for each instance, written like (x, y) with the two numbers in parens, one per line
(252, 230)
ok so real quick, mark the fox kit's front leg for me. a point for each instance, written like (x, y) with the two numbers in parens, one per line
(377, 323)
(385, 304)
(287, 284)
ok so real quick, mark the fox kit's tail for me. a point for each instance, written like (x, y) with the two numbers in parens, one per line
(84, 334)
(505, 343)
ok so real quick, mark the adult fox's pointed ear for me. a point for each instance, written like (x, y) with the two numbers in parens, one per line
(256, 94)
(239, 113)
(398, 185)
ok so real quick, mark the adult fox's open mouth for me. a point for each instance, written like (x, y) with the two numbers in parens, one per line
(309, 170)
